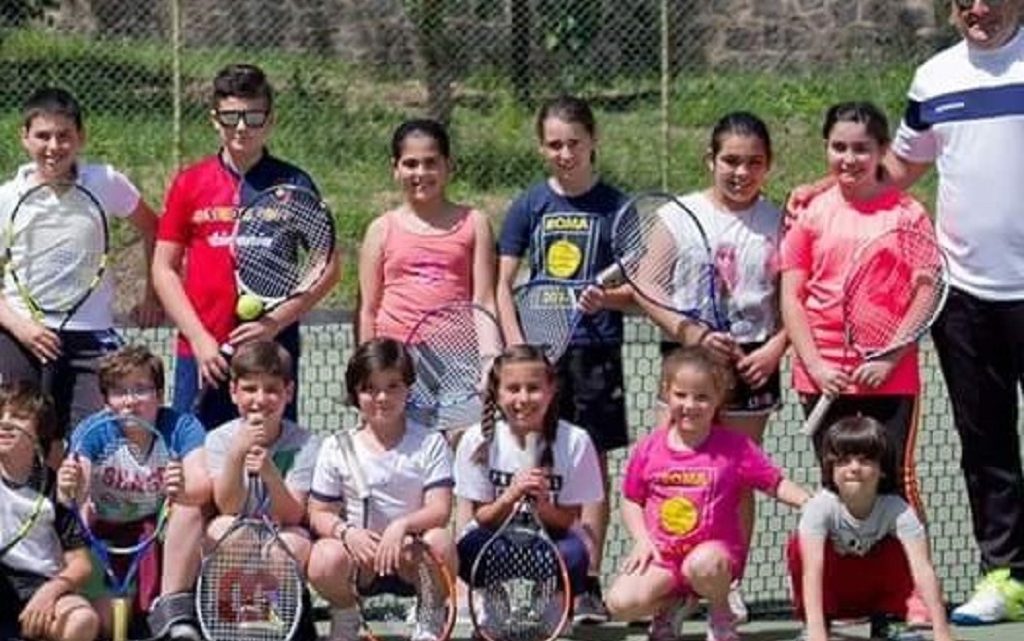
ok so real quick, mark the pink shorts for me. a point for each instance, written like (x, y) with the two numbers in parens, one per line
(681, 587)
(856, 586)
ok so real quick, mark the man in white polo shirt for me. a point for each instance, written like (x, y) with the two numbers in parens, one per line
(965, 115)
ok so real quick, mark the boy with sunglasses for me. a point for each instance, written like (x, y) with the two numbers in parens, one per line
(193, 271)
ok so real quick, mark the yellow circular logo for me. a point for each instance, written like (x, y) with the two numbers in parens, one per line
(563, 259)
(678, 515)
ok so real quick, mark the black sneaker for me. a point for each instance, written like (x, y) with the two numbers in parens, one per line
(588, 607)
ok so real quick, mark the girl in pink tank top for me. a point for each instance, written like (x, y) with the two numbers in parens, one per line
(428, 252)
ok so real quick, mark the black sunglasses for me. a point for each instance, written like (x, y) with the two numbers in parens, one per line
(964, 5)
(253, 118)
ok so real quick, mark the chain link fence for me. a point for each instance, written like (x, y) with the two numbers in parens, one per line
(328, 343)
(658, 72)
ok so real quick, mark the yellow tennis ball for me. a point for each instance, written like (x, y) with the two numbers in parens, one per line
(248, 307)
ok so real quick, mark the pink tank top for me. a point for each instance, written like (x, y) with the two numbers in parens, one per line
(423, 272)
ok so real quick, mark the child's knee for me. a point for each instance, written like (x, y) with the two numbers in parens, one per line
(297, 542)
(440, 542)
(328, 559)
(80, 623)
(708, 562)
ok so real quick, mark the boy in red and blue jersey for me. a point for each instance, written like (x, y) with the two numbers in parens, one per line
(193, 270)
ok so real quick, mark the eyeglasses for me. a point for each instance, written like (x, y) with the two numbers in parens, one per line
(253, 118)
(965, 5)
(123, 393)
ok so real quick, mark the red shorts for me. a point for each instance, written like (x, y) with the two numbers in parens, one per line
(681, 587)
(856, 586)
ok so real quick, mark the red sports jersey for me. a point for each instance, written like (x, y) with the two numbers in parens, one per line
(199, 214)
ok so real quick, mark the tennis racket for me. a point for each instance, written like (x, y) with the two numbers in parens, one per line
(422, 592)
(250, 586)
(895, 289)
(548, 312)
(125, 485)
(520, 588)
(662, 250)
(452, 348)
(23, 485)
(56, 248)
(281, 244)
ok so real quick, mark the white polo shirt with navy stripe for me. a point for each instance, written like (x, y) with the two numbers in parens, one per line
(966, 114)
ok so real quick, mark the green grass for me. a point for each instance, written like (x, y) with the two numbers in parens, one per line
(335, 120)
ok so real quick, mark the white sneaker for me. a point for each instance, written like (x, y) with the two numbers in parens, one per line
(345, 624)
(737, 605)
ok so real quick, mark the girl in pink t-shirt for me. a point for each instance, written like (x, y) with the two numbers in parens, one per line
(427, 252)
(681, 497)
(816, 256)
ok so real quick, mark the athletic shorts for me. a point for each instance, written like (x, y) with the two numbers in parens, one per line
(681, 587)
(857, 586)
(592, 393)
(744, 399)
(146, 585)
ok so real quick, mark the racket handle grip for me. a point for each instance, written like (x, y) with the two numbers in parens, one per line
(813, 422)
(119, 606)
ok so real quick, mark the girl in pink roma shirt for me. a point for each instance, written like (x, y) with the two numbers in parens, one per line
(681, 498)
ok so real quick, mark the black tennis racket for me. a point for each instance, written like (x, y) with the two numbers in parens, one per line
(520, 589)
(422, 594)
(132, 454)
(56, 248)
(452, 348)
(250, 586)
(23, 484)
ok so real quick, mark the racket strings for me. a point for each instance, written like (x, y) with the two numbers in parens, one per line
(283, 242)
(250, 589)
(663, 251)
(524, 593)
(58, 246)
(895, 292)
(453, 348)
(548, 314)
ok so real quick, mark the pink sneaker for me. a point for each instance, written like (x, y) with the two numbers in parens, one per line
(722, 626)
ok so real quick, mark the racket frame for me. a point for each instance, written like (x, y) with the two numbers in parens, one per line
(524, 519)
(253, 517)
(103, 550)
(426, 369)
(812, 423)
(41, 489)
(572, 290)
(304, 285)
(36, 310)
(620, 273)
(347, 449)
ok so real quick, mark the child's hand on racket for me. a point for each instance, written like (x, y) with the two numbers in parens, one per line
(829, 379)
(593, 299)
(42, 342)
(174, 479)
(722, 344)
(529, 482)
(389, 548)
(872, 374)
(640, 557)
(263, 328)
(69, 479)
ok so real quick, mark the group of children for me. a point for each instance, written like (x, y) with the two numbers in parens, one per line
(687, 491)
